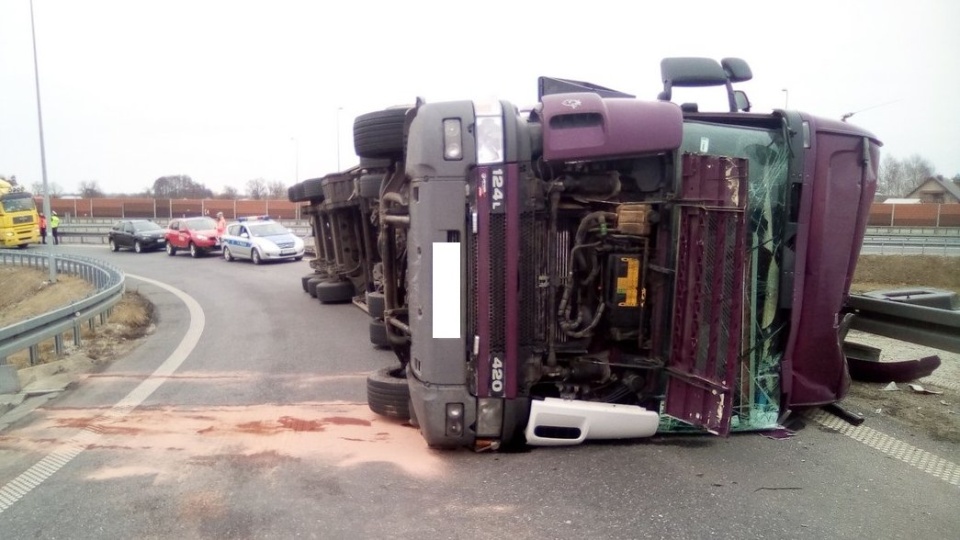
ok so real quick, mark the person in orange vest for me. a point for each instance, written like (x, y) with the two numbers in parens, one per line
(221, 225)
(43, 228)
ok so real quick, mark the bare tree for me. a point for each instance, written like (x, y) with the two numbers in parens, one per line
(890, 177)
(277, 190)
(256, 188)
(55, 190)
(179, 186)
(897, 178)
(90, 189)
(230, 192)
(916, 170)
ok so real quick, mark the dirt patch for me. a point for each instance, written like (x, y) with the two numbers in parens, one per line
(878, 272)
(25, 293)
(937, 415)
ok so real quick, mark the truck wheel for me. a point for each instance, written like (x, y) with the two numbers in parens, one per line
(295, 193)
(307, 278)
(368, 163)
(379, 134)
(334, 292)
(370, 186)
(378, 334)
(388, 393)
(376, 303)
(312, 285)
(312, 190)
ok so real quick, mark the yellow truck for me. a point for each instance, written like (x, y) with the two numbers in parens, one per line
(19, 220)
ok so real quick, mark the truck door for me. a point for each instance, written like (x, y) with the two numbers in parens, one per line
(708, 307)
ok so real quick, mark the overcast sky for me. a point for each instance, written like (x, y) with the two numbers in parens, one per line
(228, 91)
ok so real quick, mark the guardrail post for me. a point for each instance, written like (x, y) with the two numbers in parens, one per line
(58, 345)
(76, 334)
(34, 355)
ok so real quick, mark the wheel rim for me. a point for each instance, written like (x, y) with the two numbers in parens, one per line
(137, 247)
(193, 250)
(113, 246)
(170, 249)
(226, 255)
(256, 257)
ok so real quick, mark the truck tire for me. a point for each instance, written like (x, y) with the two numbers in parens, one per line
(376, 303)
(378, 334)
(379, 134)
(388, 393)
(334, 292)
(312, 190)
(312, 285)
(307, 278)
(369, 163)
(370, 186)
(295, 193)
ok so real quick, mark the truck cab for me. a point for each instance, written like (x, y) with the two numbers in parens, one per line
(603, 266)
(19, 220)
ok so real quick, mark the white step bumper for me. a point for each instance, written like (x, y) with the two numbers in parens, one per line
(558, 422)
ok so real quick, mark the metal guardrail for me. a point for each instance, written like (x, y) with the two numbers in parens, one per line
(914, 231)
(28, 334)
(931, 327)
(905, 244)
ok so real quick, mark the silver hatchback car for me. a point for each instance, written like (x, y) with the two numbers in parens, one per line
(260, 239)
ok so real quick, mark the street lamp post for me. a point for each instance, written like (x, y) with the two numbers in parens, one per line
(43, 153)
(786, 98)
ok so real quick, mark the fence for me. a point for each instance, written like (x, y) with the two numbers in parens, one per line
(914, 215)
(146, 208)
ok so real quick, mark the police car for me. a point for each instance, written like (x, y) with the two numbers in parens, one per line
(260, 239)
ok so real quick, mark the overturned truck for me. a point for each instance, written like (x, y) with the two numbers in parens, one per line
(598, 266)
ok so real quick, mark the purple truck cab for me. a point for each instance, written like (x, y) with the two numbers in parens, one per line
(609, 267)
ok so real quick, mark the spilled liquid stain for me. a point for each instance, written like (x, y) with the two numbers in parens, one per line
(258, 437)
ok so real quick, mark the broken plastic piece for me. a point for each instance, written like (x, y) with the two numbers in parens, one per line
(921, 390)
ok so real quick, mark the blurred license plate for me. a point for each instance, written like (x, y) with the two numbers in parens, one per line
(287, 251)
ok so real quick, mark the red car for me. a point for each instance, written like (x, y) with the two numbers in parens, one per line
(196, 234)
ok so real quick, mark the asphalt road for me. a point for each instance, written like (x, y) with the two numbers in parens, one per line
(244, 416)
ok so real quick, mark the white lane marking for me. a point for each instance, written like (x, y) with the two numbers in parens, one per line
(929, 463)
(17, 488)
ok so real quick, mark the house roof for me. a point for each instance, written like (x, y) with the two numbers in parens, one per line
(948, 186)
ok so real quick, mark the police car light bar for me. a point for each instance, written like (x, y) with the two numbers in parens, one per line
(254, 218)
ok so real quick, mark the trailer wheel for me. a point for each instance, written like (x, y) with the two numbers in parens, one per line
(334, 292)
(368, 163)
(378, 334)
(295, 193)
(379, 134)
(376, 304)
(312, 285)
(306, 278)
(370, 186)
(312, 190)
(388, 393)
